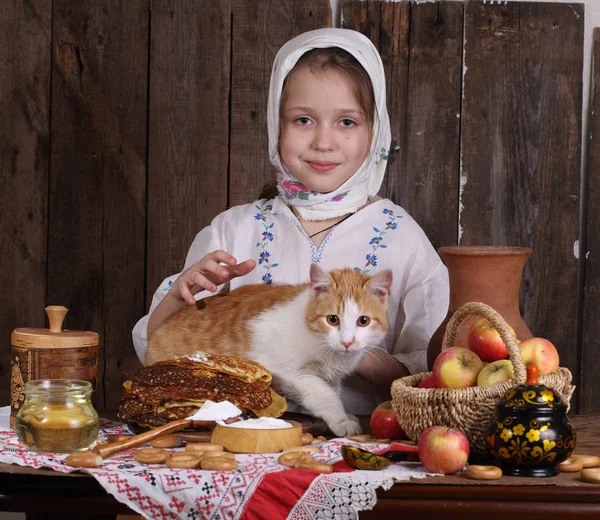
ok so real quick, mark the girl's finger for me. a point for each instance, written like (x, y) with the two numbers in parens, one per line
(222, 256)
(242, 269)
(210, 267)
(202, 282)
(185, 293)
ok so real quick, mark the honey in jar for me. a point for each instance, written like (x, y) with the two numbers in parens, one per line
(57, 416)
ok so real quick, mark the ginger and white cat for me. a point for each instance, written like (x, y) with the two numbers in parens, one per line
(310, 336)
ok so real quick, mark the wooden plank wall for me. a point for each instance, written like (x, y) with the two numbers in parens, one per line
(25, 40)
(590, 361)
(130, 125)
(489, 136)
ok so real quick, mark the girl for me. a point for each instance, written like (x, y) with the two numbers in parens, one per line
(329, 138)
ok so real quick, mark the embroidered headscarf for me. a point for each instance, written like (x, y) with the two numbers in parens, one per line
(353, 193)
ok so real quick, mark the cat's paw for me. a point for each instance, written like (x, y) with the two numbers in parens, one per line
(348, 426)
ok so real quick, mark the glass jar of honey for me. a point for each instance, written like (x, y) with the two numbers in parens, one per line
(57, 416)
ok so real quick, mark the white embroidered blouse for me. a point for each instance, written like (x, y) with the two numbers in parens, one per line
(380, 236)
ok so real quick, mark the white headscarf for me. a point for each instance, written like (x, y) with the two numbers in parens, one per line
(353, 194)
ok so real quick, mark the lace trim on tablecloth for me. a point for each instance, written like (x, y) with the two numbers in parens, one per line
(343, 495)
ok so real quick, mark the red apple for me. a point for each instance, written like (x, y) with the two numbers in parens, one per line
(428, 382)
(541, 353)
(443, 450)
(384, 423)
(456, 367)
(486, 342)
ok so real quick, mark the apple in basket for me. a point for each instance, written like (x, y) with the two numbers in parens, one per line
(384, 423)
(443, 450)
(486, 342)
(496, 372)
(428, 382)
(541, 353)
(456, 367)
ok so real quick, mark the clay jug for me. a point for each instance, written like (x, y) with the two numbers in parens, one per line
(488, 274)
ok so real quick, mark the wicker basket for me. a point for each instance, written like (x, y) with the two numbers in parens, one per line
(468, 409)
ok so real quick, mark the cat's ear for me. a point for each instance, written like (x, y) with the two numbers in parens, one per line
(380, 284)
(319, 280)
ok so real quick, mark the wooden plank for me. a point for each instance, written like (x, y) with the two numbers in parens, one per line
(521, 139)
(25, 34)
(188, 128)
(98, 170)
(260, 28)
(421, 49)
(590, 361)
(431, 141)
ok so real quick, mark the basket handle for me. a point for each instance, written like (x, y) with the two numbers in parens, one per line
(497, 321)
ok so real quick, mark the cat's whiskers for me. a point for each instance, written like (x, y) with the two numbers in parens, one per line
(377, 361)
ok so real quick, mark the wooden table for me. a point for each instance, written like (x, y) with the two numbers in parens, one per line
(60, 495)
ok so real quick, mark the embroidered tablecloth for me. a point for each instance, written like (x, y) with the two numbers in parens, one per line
(259, 489)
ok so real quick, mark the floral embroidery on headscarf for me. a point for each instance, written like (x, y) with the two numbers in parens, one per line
(297, 190)
(293, 189)
(383, 155)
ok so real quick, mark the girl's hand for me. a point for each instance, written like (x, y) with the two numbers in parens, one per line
(381, 369)
(207, 274)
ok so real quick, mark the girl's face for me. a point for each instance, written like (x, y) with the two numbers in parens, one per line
(324, 136)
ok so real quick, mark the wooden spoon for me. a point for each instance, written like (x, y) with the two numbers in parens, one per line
(106, 450)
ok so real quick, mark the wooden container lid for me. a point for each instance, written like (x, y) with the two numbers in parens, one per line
(55, 336)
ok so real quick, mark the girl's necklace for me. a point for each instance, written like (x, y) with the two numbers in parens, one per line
(332, 225)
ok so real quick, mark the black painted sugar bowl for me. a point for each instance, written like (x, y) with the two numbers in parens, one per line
(531, 432)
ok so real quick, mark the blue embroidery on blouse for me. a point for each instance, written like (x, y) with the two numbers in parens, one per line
(318, 253)
(266, 238)
(168, 287)
(377, 241)
(315, 254)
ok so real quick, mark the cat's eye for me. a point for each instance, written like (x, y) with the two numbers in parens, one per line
(332, 319)
(363, 321)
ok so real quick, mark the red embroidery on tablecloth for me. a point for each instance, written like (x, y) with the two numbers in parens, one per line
(134, 494)
(179, 505)
(172, 482)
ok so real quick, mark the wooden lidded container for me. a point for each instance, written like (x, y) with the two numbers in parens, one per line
(50, 354)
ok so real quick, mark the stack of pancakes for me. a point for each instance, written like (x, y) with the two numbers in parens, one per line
(177, 388)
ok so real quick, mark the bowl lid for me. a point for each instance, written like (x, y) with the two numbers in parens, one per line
(55, 336)
(534, 398)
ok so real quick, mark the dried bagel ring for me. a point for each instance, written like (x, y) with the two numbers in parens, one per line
(86, 459)
(211, 454)
(319, 467)
(571, 465)
(167, 441)
(151, 455)
(183, 461)
(361, 438)
(591, 475)
(589, 461)
(219, 464)
(307, 438)
(479, 472)
(290, 458)
(203, 447)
